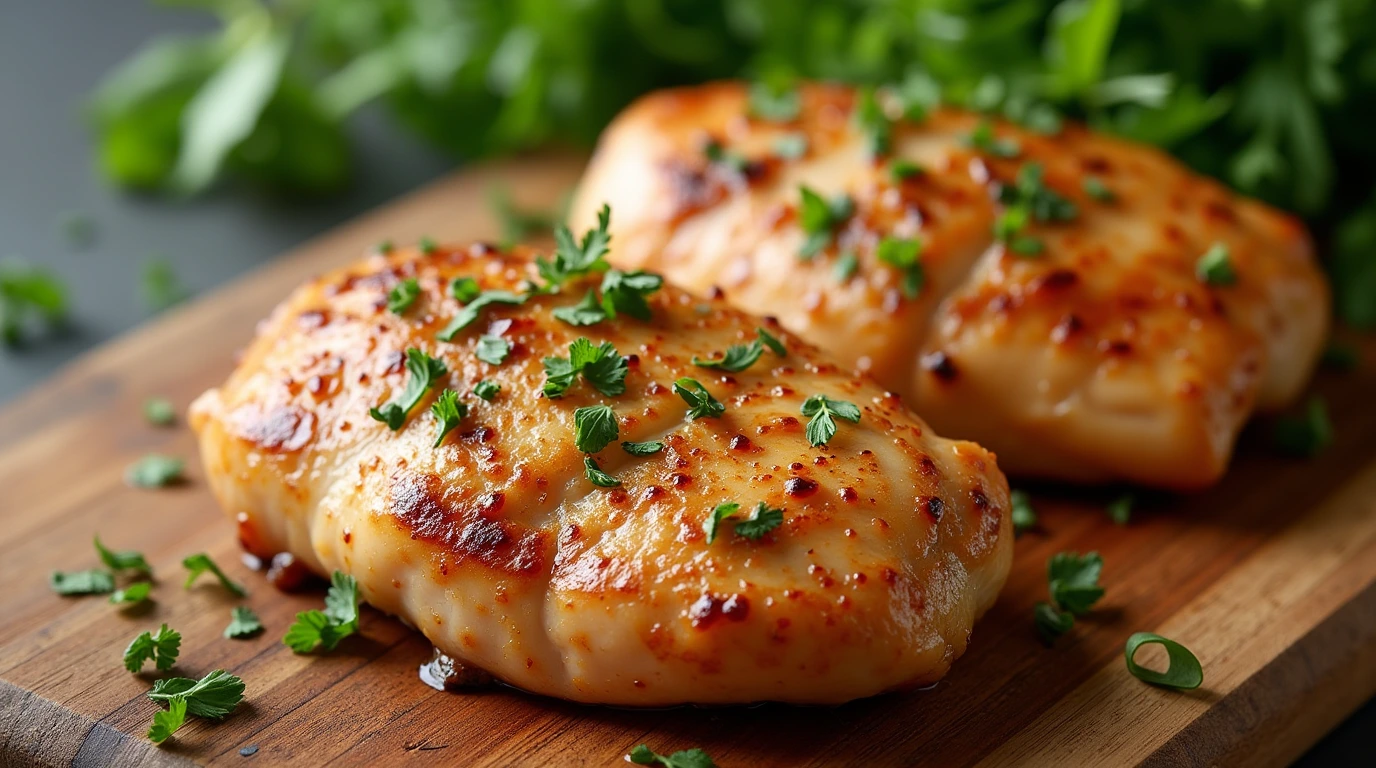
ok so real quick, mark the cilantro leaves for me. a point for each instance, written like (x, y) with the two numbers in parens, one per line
(82, 582)
(688, 758)
(762, 519)
(596, 476)
(738, 357)
(470, 311)
(601, 366)
(622, 293)
(1215, 267)
(161, 648)
(575, 258)
(824, 411)
(493, 349)
(424, 370)
(201, 563)
(448, 410)
(820, 219)
(127, 560)
(213, 696)
(403, 295)
(1023, 515)
(324, 629)
(594, 428)
(902, 254)
(642, 449)
(700, 401)
(243, 622)
(1073, 581)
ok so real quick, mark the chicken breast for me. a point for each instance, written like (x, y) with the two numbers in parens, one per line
(1080, 344)
(496, 545)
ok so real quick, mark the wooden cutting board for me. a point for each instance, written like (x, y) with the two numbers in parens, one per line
(1270, 578)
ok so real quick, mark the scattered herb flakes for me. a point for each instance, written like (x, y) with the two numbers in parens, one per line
(464, 289)
(160, 647)
(1073, 580)
(642, 449)
(576, 258)
(403, 295)
(29, 296)
(487, 390)
(427, 245)
(601, 366)
(790, 146)
(901, 170)
(594, 428)
(762, 520)
(688, 758)
(470, 312)
(123, 560)
(424, 370)
(982, 138)
(1023, 514)
(820, 219)
(159, 412)
(493, 350)
(903, 254)
(1305, 435)
(92, 582)
(1184, 672)
(873, 124)
(700, 401)
(1051, 623)
(243, 622)
(625, 293)
(1095, 188)
(586, 312)
(846, 266)
(325, 629)
(596, 476)
(161, 286)
(777, 102)
(1215, 267)
(823, 412)
(155, 471)
(770, 340)
(200, 563)
(448, 411)
(133, 594)
(167, 721)
(214, 696)
(737, 357)
(1120, 509)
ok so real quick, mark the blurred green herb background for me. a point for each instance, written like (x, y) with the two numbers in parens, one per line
(1276, 97)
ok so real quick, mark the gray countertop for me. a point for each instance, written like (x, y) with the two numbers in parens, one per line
(51, 53)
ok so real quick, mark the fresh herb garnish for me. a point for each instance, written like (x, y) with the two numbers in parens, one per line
(718, 155)
(91, 582)
(601, 366)
(700, 401)
(901, 170)
(161, 648)
(200, 563)
(777, 102)
(873, 123)
(770, 340)
(124, 560)
(487, 390)
(1305, 435)
(427, 245)
(1023, 514)
(1215, 267)
(403, 295)
(596, 476)
(493, 349)
(1120, 509)
(1183, 673)
(384, 247)
(594, 427)
(820, 219)
(642, 449)
(790, 146)
(688, 758)
(586, 312)
(464, 289)
(324, 629)
(243, 622)
(983, 139)
(1030, 191)
(1096, 189)
(213, 696)
(846, 266)
(159, 412)
(575, 258)
(902, 254)
(1051, 623)
(737, 357)
(28, 296)
(448, 411)
(132, 594)
(154, 471)
(470, 311)
(762, 520)
(625, 292)
(424, 370)
(823, 412)
(1073, 580)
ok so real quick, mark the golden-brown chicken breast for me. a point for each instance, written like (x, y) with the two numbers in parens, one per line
(1086, 307)
(851, 567)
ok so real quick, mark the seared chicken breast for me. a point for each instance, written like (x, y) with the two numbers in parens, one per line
(1086, 307)
(851, 567)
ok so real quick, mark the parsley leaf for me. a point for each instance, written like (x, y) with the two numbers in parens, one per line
(820, 219)
(719, 513)
(902, 254)
(1305, 435)
(1073, 580)
(824, 411)
(448, 410)
(700, 401)
(427, 245)
(154, 471)
(762, 520)
(487, 390)
(493, 349)
(82, 582)
(200, 563)
(167, 721)
(403, 295)
(159, 412)
(983, 139)
(737, 358)
(642, 449)
(133, 594)
(586, 312)
(594, 427)
(846, 266)
(601, 366)
(688, 758)
(127, 560)
(160, 648)
(213, 696)
(1023, 514)
(424, 370)
(464, 289)
(775, 346)
(243, 622)
(1051, 623)
(1215, 267)
(470, 311)
(1096, 189)
(326, 628)
(777, 102)
(28, 295)
(624, 293)
(901, 170)
(873, 123)
(575, 258)
(596, 476)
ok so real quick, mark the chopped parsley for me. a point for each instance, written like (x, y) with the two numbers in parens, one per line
(161, 648)
(594, 428)
(1183, 673)
(596, 476)
(586, 312)
(820, 219)
(902, 254)
(403, 295)
(901, 170)
(159, 412)
(688, 758)
(427, 245)
(470, 311)
(93, 582)
(624, 293)
(154, 471)
(737, 357)
(771, 341)
(776, 102)
(1305, 435)
(424, 370)
(1029, 198)
(719, 155)
(493, 349)
(213, 696)
(1051, 623)
(448, 411)
(1073, 580)
(200, 563)
(642, 449)
(790, 146)
(762, 520)
(125, 560)
(1215, 267)
(700, 401)
(873, 123)
(243, 622)
(464, 289)
(1120, 509)
(983, 139)
(601, 366)
(133, 594)
(324, 629)
(487, 390)
(824, 411)
(575, 258)
(846, 266)
(1096, 189)
(1023, 514)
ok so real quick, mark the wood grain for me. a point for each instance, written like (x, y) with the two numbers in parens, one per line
(1270, 578)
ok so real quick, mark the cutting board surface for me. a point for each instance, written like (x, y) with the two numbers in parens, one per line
(1270, 578)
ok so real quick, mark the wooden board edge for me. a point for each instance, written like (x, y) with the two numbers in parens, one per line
(39, 732)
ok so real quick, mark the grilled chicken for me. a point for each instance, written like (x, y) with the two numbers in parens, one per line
(1081, 344)
(499, 549)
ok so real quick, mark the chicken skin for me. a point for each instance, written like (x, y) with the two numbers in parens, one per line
(852, 567)
(1087, 308)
